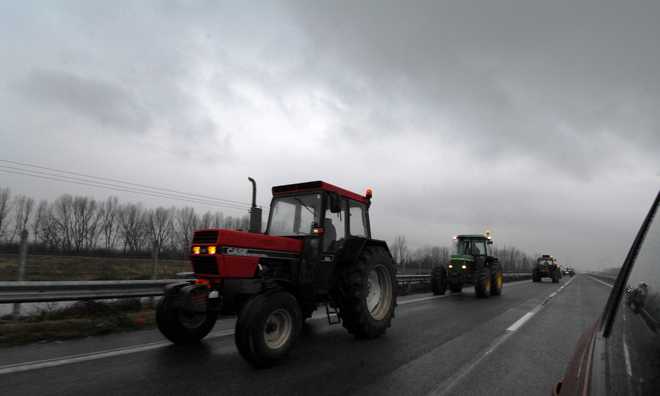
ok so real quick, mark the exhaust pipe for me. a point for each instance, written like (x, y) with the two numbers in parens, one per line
(255, 213)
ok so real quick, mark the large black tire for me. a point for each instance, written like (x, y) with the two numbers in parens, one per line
(455, 287)
(482, 283)
(438, 281)
(555, 277)
(267, 327)
(496, 282)
(183, 327)
(535, 277)
(367, 293)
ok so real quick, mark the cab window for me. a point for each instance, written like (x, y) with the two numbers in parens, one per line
(358, 219)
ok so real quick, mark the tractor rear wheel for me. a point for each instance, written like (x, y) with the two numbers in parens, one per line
(438, 281)
(181, 326)
(367, 293)
(555, 277)
(267, 327)
(482, 283)
(496, 282)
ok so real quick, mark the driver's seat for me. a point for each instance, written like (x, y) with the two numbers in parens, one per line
(329, 234)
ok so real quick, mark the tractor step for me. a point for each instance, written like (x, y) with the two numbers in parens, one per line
(332, 315)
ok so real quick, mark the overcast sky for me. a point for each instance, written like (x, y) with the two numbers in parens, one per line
(539, 120)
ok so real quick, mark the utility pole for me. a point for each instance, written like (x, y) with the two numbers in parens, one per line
(22, 260)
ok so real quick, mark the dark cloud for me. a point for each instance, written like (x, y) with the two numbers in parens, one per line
(105, 103)
(536, 119)
(557, 81)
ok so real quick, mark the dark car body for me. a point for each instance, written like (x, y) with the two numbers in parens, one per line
(620, 353)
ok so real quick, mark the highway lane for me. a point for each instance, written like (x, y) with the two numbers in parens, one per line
(431, 340)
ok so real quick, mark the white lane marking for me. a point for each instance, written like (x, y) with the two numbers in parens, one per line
(416, 300)
(446, 386)
(516, 325)
(39, 364)
(61, 361)
(600, 281)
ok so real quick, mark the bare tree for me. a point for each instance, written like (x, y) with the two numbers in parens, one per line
(400, 249)
(62, 215)
(84, 222)
(109, 222)
(159, 227)
(5, 208)
(131, 223)
(40, 217)
(23, 206)
(185, 222)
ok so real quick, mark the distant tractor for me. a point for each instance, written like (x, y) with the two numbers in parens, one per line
(472, 263)
(317, 250)
(546, 267)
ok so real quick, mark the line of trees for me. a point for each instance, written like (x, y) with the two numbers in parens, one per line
(422, 260)
(84, 225)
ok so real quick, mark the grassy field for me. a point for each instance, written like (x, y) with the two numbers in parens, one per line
(82, 319)
(60, 268)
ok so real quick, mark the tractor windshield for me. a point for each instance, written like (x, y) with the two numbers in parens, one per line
(295, 215)
(470, 247)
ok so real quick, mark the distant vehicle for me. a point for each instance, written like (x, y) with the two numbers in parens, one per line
(619, 355)
(568, 271)
(317, 249)
(472, 263)
(546, 267)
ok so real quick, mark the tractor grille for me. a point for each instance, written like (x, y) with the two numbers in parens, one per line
(205, 237)
(204, 265)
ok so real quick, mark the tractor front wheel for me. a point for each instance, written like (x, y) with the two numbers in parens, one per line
(367, 293)
(438, 281)
(496, 282)
(267, 327)
(482, 284)
(181, 326)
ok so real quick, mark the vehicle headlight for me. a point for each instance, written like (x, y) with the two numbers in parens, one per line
(450, 266)
(464, 266)
(211, 249)
(196, 250)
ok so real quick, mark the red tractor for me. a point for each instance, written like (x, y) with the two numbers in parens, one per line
(317, 250)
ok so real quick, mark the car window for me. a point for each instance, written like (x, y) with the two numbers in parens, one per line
(633, 345)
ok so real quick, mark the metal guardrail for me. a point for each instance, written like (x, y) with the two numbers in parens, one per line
(39, 291)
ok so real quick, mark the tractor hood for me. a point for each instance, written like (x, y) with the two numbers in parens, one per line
(236, 254)
(461, 258)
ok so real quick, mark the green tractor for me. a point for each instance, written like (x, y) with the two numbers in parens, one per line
(546, 267)
(472, 263)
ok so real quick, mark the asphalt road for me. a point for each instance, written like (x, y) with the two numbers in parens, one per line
(518, 343)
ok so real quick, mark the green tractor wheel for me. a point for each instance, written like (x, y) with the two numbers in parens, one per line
(482, 283)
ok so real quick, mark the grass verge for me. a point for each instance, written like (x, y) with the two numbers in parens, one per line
(82, 319)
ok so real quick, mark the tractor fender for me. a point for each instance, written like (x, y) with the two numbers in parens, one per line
(172, 289)
(353, 247)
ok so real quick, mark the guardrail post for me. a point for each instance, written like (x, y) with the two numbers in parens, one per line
(22, 261)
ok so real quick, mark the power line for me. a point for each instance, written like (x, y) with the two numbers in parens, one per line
(112, 185)
(142, 186)
(65, 179)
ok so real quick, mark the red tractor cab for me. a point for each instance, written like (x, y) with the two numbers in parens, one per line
(317, 250)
